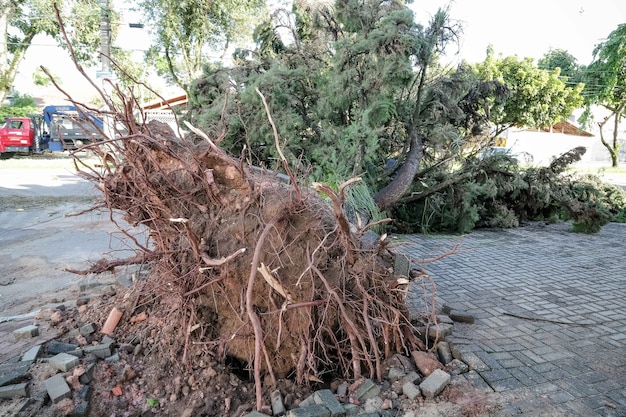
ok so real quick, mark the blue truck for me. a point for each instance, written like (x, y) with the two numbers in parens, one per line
(70, 127)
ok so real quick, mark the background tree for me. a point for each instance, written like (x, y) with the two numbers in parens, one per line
(536, 98)
(564, 61)
(19, 106)
(605, 86)
(188, 31)
(481, 188)
(21, 21)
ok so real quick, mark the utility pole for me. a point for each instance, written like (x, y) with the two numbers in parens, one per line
(105, 49)
(105, 37)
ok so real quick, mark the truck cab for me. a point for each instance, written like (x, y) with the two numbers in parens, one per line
(17, 135)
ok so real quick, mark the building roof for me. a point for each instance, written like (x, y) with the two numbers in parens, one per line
(566, 127)
(167, 103)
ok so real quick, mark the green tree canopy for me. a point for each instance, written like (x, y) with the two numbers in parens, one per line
(20, 106)
(187, 31)
(536, 98)
(21, 21)
(563, 60)
(605, 86)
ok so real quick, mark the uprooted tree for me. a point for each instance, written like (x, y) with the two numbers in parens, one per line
(243, 263)
(360, 88)
(348, 93)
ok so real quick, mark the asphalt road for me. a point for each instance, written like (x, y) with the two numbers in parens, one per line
(41, 236)
(54, 182)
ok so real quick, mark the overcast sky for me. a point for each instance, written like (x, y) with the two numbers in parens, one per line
(529, 28)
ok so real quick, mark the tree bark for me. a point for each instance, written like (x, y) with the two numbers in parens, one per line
(392, 192)
(616, 123)
(612, 148)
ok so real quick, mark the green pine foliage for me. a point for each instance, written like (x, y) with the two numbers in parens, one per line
(587, 207)
(341, 93)
(495, 192)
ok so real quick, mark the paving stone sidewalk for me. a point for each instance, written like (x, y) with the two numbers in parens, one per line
(550, 306)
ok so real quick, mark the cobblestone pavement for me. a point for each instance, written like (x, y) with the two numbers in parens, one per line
(550, 306)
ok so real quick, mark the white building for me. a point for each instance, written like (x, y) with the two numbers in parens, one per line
(542, 145)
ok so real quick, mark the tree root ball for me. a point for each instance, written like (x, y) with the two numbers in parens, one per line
(245, 265)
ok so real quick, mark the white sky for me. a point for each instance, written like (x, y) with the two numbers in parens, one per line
(529, 28)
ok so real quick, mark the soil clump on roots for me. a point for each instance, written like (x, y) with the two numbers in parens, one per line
(246, 270)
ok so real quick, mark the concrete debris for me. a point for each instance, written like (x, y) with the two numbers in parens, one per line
(14, 391)
(26, 332)
(63, 362)
(57, 388)
(415, 379)
(435, 383)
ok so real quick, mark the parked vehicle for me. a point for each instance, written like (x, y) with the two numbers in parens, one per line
(74, 129)
(17, 135)
(58, 128)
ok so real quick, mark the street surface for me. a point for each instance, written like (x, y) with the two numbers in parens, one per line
(40, 236)
(549, 336)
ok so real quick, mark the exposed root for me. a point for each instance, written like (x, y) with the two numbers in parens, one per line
(107, 265)
(254, 318)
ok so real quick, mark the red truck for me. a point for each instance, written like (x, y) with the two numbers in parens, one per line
(17, 135)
